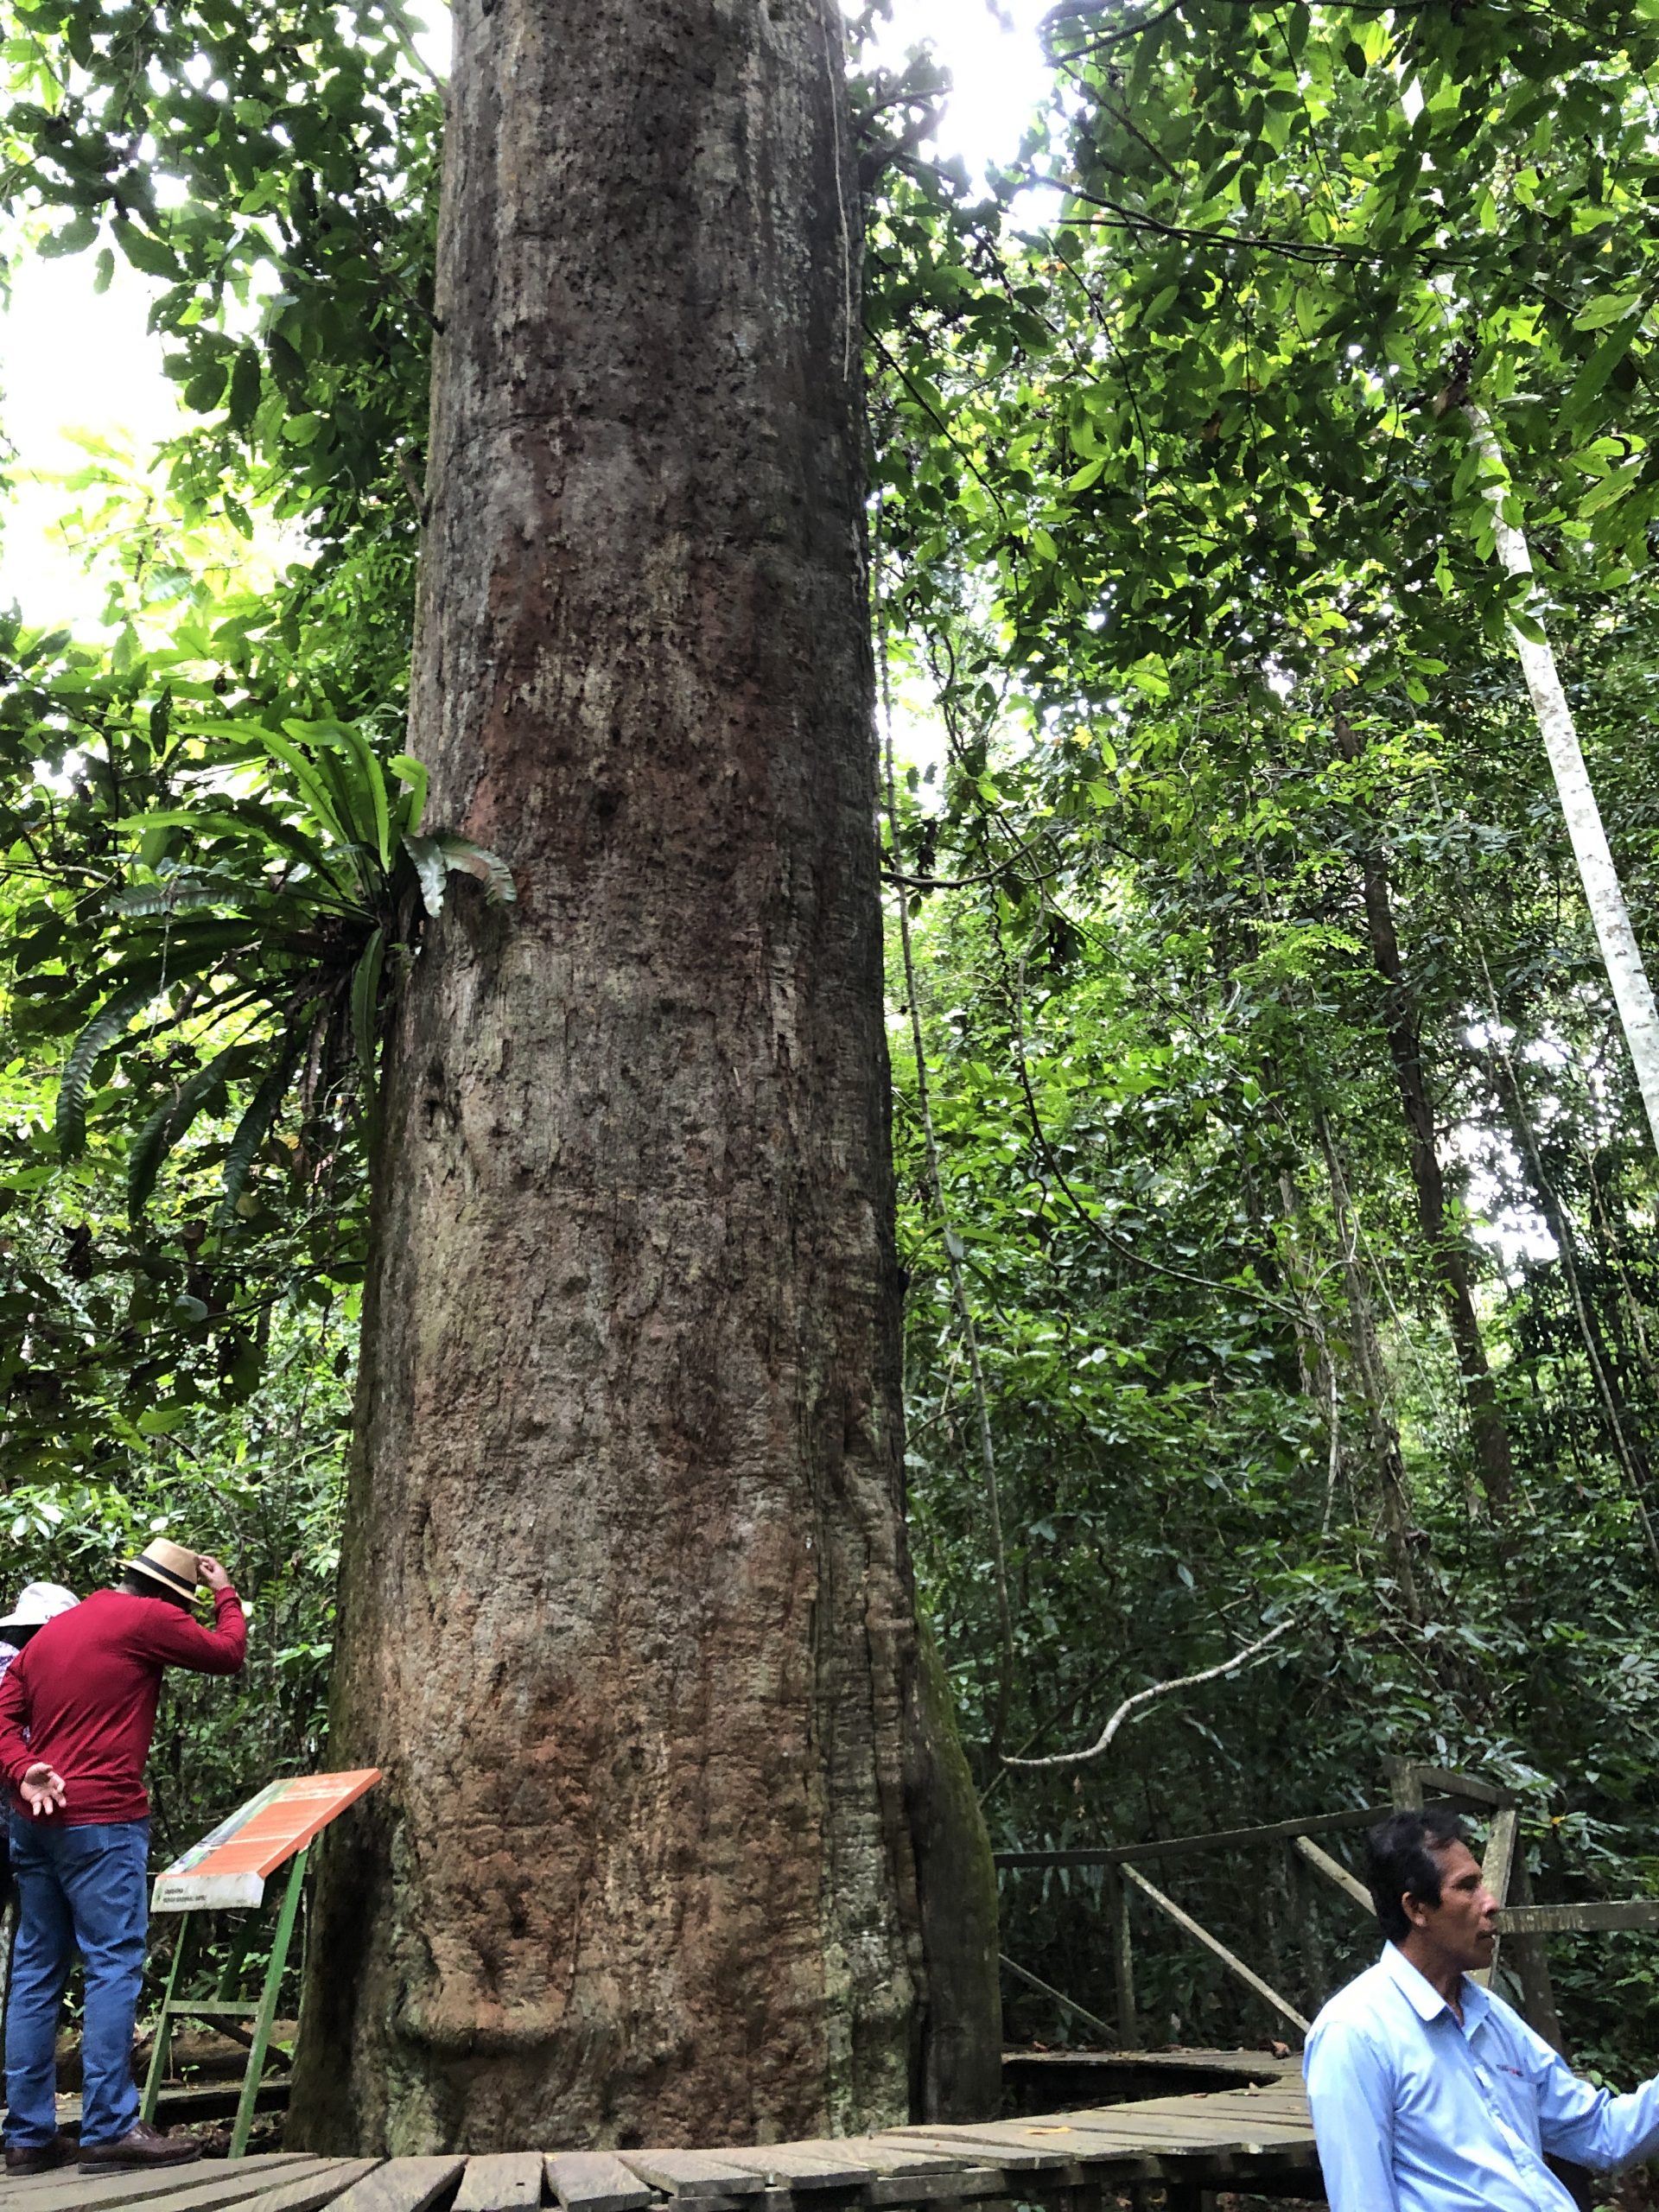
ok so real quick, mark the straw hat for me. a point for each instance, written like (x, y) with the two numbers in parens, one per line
(168, 1566)
(38, 1602)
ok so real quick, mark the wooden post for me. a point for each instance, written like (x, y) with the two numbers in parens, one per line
(1532, 1965)
(1405, 1785)
(1231, 1959)
(1128, 2025)
(1089, 2020)
(1315, 1973)
(1495, 1871)
(1334, 1871)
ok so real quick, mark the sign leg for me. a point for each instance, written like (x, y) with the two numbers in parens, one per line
(162, 2051)
(265, 2019)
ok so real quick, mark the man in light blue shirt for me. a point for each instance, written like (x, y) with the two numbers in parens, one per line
(1429, 2094)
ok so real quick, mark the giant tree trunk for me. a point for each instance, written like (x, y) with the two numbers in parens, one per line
(674, 1842)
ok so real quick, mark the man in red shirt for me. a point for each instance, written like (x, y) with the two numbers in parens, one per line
(77, 1712)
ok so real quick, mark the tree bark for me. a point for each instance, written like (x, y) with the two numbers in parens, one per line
(675, 1843)
(1448, 1255)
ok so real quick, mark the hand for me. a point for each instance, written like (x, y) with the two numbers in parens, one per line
(211, 1572)
(42, 1790)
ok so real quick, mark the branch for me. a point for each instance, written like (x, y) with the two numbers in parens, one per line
(1131, 1704)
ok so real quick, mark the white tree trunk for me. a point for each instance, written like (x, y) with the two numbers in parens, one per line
(1632, 992)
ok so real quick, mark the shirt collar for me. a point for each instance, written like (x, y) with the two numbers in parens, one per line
(1425, 1999)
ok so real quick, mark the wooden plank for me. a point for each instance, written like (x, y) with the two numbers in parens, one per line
(1603, 1915)
(1334, 1871)
(1468, 1787)
(595, 2181)
(1168, 2132)
(793, 2165)
(1234, 1965)
(311, 2193)
(1232, 2116)
(401, 2185)
(65, 2190)
(1219, 2104)
(981, 2147)
(691, 2173)
(961, 2183)
(501, 2181)
(1236, 2067)
(882, 2157)
(1081, 2144)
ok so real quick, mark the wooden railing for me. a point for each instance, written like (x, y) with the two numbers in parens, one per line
(1522, 1924)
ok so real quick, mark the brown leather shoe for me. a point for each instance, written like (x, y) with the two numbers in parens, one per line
(141, 2147)
(39, 2158)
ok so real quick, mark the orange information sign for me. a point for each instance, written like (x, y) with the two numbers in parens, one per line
(229, 1868)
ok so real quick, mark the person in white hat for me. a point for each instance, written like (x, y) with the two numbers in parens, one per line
(77, 1712)
(37, 1603)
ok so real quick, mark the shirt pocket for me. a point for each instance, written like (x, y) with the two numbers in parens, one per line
(1509, 2095)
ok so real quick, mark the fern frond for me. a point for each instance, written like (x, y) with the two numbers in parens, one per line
(165, 1127)
(108, 1024)
(491, 871)
(255, 1125)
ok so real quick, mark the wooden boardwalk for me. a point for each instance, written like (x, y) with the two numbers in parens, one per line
(1258, 2139)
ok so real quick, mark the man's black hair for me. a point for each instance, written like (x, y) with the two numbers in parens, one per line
(140, 1585)
(1403, 1860)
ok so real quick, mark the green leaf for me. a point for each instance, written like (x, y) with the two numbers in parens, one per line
(75, 237)
(1597, 369)
(414, 774)
(141, 901)
(106, 1026)
(162, 1131)
(337, 765)
(305, 774)
(429, 868)
(255, 1125)
(246, 379)
(460, 854)
(146, 253)
(206, 389)
(1607, 306)
(370, 771)
(365, 999)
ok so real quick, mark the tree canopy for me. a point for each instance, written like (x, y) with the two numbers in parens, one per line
(1275, 1199)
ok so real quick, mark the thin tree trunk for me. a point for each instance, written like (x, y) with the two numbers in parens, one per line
(1384, 1461)
(1447, 1254)
(1603, 893)
(675, 1842)
(1315, 1366)
(1506, 1083)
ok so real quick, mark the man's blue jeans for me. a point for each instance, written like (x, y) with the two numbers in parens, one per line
(78, 1890)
